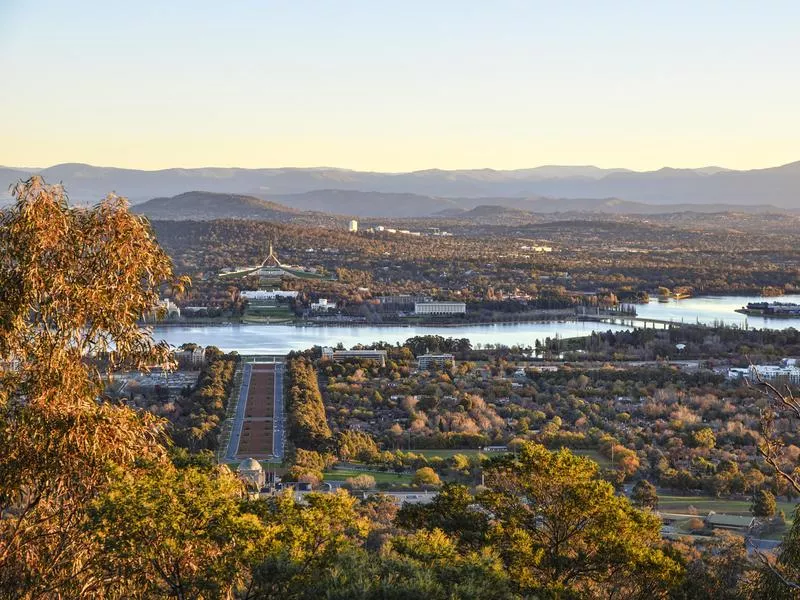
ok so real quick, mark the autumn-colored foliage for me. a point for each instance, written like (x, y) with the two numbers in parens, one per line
(73, 283)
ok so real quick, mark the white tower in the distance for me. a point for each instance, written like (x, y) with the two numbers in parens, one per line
(353, 226)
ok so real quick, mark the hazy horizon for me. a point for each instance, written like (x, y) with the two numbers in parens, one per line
(722, 168)
(399, 88)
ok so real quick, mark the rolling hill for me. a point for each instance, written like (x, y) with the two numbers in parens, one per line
(205, 206)
(366, 204)
(778, 186)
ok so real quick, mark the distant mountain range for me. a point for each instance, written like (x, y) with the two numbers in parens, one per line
(311, 207)
(410, 193)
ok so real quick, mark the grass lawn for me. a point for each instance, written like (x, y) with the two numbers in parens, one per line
(776, 535)
(705, 504)
(594, 455)
(271, 314)
(380, 476)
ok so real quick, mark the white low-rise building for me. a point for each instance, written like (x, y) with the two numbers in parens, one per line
(426, 361)
(322, 305)
(268, 294)
(340, 355)
(440, 308)
(166, 309)
(770, 373)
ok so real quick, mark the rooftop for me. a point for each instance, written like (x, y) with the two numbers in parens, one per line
(249, 464)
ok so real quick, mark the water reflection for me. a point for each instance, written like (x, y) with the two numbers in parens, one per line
(280, 339)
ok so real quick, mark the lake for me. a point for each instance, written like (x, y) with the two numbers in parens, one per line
(708, 309)
(280, 339)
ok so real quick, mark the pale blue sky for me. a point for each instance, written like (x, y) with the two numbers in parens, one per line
(399, 85)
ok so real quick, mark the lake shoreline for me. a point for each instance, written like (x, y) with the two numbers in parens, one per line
(273, 338)
(429, 324)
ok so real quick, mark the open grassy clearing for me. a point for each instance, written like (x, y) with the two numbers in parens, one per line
(268, 315)
(706, 504)
(380, 476)
(595, 456)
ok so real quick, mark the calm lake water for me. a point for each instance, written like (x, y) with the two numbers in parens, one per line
(280, 339)
(708, 309)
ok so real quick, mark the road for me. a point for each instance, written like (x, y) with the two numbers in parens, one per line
(278, 424)
(238, 420)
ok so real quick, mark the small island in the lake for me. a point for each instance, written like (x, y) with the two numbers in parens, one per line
(779, 310)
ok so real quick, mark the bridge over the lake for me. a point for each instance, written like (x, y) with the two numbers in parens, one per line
(634, 321)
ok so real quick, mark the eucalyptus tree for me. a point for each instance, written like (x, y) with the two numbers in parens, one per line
(74, 283)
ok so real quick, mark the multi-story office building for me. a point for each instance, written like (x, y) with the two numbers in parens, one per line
(426, 361)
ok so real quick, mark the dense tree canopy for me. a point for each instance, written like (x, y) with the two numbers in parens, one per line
(644, 495)
(308, 427)
(557, 527)
(73, 283)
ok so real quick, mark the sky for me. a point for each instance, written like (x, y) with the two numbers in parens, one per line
(400, 85)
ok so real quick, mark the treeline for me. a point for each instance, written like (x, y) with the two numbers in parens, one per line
(307, 424)
(451, 440)
(356, 445)
(422, 344)
(202, 409)
(721, 342)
